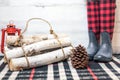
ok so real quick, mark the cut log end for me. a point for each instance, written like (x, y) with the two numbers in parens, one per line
(5, 58)
(12, 67)
(5, 61)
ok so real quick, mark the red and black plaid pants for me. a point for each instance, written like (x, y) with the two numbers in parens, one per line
(101, 16)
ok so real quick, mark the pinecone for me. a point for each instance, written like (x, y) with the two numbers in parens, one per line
(79, 57)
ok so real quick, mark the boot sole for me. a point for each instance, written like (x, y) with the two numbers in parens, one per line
(103, 60)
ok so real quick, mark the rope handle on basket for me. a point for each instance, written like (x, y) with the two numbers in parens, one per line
(27, 24)
(51, 32)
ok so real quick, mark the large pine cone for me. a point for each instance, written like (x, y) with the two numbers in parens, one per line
(79, 57)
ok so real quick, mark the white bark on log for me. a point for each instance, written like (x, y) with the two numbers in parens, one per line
(6, 48)
(39, 60)
(28, 39)
(37, 47)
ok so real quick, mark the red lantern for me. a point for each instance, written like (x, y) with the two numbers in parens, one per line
(10, 30)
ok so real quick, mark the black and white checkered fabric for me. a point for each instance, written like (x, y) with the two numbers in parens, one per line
(64, 71)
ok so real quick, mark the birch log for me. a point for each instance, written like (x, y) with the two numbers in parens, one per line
(28, 39)
(37, 47)
(6, 48)
(39, 60)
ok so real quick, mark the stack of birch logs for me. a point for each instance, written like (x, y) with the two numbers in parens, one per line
(37, 50)
(28, 51)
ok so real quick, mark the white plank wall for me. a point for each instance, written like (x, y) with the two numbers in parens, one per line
(66, 16)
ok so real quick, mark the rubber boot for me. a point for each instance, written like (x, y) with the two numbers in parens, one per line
(93, 45)
(105, 52)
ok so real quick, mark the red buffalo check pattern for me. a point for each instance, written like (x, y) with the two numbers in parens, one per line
(101, 16)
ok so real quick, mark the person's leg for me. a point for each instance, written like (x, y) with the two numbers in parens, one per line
(107, 16)
(93, 18)
(93, 28)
